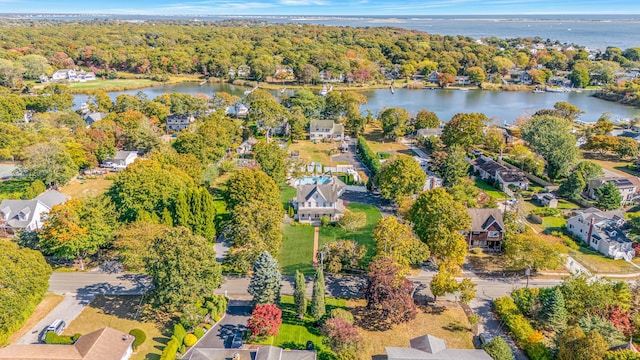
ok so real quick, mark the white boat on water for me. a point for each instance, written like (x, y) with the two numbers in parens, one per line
(250, 91)
(538, 91)
(554, 89)
(463, 89)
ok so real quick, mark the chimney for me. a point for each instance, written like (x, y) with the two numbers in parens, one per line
(590, 231)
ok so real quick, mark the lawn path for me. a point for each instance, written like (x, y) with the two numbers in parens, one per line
(316, 233)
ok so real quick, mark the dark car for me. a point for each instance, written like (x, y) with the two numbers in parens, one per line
(236, 341)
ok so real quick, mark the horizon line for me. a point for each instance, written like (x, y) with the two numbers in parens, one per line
(315, 15)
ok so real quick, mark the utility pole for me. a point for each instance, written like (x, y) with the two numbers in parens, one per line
(527, 273)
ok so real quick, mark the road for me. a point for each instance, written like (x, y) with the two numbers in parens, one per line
(79, 289)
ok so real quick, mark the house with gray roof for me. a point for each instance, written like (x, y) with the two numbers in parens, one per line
(629, 187)
(546, 199)
(121, 160)
(259, 353)
(603, 232)
(487, 229)
(94, 116)
(29, 215)
(488, 169)
(317, 197)
(325, 129)
(428, 347)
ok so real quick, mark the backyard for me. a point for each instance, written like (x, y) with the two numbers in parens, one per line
(119, 312)
(378, 143)
(296, 252)
(78, 188)
(490, 190)
(318, 152)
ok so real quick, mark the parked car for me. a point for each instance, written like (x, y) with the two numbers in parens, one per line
(236, 341)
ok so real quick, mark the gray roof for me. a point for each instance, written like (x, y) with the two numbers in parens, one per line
(488, 165)
(428, 343)
(11, 209)
(316, 125)
(329, 191)
(221, 354)
(429, 347)
(512, 176)
(94, 116)
(430, 132)
(52, 198)
(262, 353)
(481, 219)
(123, 155)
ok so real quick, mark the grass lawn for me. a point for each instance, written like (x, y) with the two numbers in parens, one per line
(378, 143)
(294, 332)
(487, 262)
(48, 303)
(553, 223)
(610, 163)
(13, 189)
(296, 252)
(87, 187)
(286, 194)
(318, 152)
(129, 83)
(490, 190)
(598, 263)
(118, 312)
(450, 324)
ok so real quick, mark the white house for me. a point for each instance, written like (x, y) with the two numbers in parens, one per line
(546, 199)
(602, 231)
(178, 122)
(629, 187)
(317, 197)
(94, 116)
(63, 74)
(325, 129)
(28, 215)
(122, 159)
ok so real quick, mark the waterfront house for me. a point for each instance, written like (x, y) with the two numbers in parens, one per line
(433, 77)
(603, 232)
(428, 347)
(629, 187)
(487, 229)
(546, 199)
(103, 344)
(28, 215)
(179, 122)
(462, 80)
(63, 74)
(325, 129)
(317, 197)
(121, 160)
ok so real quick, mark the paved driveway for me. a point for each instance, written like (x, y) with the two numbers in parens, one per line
(385, 206)
(221, 334)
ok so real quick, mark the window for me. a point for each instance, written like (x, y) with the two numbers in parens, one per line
(494, 234)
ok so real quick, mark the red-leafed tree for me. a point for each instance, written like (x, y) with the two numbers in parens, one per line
(388, 293)
(343, 337)
(265, 321)
(621, 319)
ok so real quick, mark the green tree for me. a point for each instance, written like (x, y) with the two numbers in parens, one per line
(551, 137)
(455, 166)
(498, 349)
(318, 307)
(36, 188)
(397, 240)
(438, 220)
(465, 130)
(494, 139)
(300, 295)
(573, 186)
(476, 75)
(608, 196)
(247, 184)
(272, 160)
(554, 312)
(394, 122)
(426, 119)
(603, 126)
(48, 162)
(34, 66)
(467, 290)
(443, 283)
(183, 269)
(400, 178)
(580, 76)
(265, 280)
(132, 242)
(533, 250)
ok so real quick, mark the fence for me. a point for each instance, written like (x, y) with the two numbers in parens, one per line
(549, 186)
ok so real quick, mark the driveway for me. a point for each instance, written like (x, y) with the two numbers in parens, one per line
(385, 206)
(220, 335)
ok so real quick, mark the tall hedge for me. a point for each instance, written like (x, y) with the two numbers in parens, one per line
(24, 279)
(368, 156)
(528, 338)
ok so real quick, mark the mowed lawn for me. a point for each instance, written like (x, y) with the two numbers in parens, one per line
(378, 143)
(296, 252)
(119, 312)
(490, 190)
(318, 152)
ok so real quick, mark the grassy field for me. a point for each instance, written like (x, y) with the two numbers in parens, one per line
(296, 252)
(286, 194)
(318, 152)
(295, 332)
(487, 262)
(87, 187)
(490, 190)
(610, 163)
(377, 142)
(450, 324)
(598, 263)
(48, 303)
(13, 189)
(118, 312)
(127, 82)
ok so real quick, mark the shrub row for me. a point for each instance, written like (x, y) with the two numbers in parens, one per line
(217, 306)
(367, 155)
(54, 339)
(528, 338)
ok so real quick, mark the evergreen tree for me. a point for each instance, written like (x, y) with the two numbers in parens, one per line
(498, 349)
(181, 212)
(554, 311)
(608, 196)
(194, 199)
(208, 212)
(299, 295)
(166, 218)
(318, 307)
(265, 281)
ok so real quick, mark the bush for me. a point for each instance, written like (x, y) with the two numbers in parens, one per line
(207, 326)
(199, 333)
(473, 319)
(179, 332)
(325, 221)
(352, 221)
(369, 158)
(54, 339)
(75, 337)
(535, 219)
(190, 340)
(476, 251)
(191, 316)
(498, 349)
(139, 336)
(546, 211)
(171, 350)
(522, 331)
(342, 314)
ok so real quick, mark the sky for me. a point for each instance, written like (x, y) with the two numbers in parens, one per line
(323, 7)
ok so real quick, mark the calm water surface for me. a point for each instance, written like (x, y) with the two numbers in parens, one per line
(502, 106)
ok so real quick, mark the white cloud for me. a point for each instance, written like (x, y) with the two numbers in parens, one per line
(303, 2)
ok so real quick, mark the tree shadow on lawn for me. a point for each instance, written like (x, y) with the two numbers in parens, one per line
(122, 306)
(290, 316)
(162, 340)
(370, 320)
(455, 327)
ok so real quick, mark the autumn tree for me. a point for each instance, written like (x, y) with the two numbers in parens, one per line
(438, 220)
(394, 122)
(48, 162)
(465, 130)
(251, 184)
(343, 254)
(400, 177)
(575, 344)
(272, 160)
(426, 119)
(132, 241)
(352, 221)
(265, 280)
(389, 293)
(265, 321)
(397, 240)
(533, 250)
(443, 283)
(343, 338)
(300, 295)
(183, 269)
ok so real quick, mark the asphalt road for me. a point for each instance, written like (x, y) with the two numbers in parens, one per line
(220, 335)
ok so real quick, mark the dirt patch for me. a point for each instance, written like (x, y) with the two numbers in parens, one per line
(83, 187)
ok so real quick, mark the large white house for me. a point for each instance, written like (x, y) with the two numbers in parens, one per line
(317, 197)
(602, 231)
(325, 129)
(28, 215)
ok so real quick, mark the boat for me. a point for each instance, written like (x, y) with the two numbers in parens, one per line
(538, 91)
(554, 89)
(463, 89)
(324, 90)
(250, 91)
(391, 88)
(203, 82)
(283, 90)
